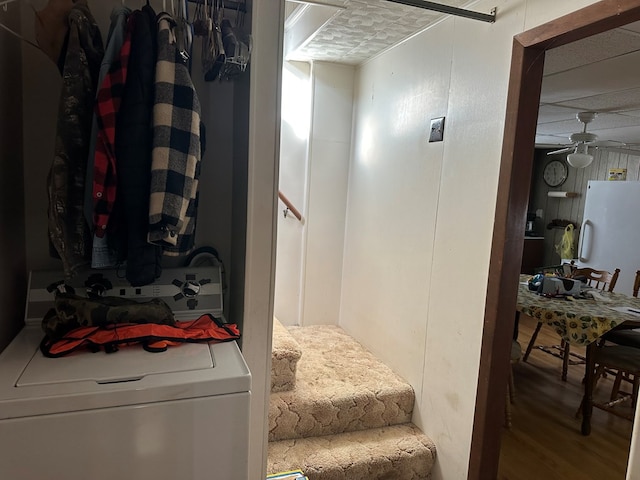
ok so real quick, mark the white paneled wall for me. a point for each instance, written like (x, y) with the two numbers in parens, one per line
(572, 208)
(329, 153)
(317, 107)
(412, 278)
(420, 215)
(294, 147)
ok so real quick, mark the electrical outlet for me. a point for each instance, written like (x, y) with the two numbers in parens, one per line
(437, 130)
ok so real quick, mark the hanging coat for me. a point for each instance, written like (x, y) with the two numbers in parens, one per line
(134, 136)
(177, 148)
(102, 256)
(68, 230)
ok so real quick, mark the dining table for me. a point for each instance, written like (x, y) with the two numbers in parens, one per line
(580, 320)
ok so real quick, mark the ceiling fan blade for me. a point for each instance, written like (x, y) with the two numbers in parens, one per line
(627, 151)
(562, 150)
(608, 143)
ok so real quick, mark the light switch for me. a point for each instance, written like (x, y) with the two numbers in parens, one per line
(437, 130)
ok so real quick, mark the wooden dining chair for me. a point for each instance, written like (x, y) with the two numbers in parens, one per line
(598, 279)
(624, 360)
(625, 336)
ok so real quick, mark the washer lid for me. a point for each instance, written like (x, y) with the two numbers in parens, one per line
(130, 363)
(31, 384)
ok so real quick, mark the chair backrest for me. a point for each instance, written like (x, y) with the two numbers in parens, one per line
(636, 284)
(600, 279)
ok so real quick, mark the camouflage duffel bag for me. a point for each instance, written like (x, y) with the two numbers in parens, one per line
(72, 311)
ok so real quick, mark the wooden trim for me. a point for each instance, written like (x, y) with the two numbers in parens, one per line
(511, 205)
(591, 20)
(506, 257)
(290, 206)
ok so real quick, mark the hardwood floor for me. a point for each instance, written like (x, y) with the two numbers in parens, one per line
(545, 441)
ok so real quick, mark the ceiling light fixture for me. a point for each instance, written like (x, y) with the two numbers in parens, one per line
(580, 158)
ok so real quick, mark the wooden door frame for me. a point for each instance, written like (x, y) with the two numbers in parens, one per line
(525, 82)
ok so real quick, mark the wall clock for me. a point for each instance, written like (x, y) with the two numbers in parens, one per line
(555, 173)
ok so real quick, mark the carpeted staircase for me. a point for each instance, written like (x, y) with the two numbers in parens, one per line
(337, 413)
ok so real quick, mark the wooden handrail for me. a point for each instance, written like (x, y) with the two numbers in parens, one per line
(290, 207)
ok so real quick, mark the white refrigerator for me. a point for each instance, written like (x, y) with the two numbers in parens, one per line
(610, 232)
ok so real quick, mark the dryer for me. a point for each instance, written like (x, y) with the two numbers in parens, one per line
(178, 414)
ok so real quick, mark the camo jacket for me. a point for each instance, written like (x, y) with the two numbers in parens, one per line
(69, 232)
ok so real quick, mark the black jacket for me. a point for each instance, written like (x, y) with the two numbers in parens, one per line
(133, 154)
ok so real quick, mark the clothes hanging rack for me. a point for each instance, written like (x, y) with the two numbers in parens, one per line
(459, 12)
(229, 5)
(5, 3)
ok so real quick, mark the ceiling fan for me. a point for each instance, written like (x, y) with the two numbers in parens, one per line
(580, 157)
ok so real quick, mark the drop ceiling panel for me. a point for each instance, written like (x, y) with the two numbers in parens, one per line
(591, 50)
(624, 135)
(593, 79)
(632, 113)
(553, 113)
(601, 122)
(622, 101)
(551, 140)
(634, 27)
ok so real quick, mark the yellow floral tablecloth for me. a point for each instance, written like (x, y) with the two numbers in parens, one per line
(580, 321)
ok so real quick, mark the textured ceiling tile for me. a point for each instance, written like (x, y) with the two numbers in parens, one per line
(590, 50)
(617, 101)
(366, 28)
(602, 121)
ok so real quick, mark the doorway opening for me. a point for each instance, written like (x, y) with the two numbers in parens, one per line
(511, 207)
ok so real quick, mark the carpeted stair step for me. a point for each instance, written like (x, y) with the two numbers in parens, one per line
(399, 452)
(340, 387)
(285, 353)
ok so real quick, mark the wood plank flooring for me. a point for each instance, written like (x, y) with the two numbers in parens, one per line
(545, 441)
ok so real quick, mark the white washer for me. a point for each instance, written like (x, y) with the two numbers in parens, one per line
(182, 414)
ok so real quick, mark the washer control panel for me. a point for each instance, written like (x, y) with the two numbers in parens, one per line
(189, 291)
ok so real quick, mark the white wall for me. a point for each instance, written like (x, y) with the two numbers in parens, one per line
(294, 146)
(314, 168)
(420, 215)
(329, 155)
